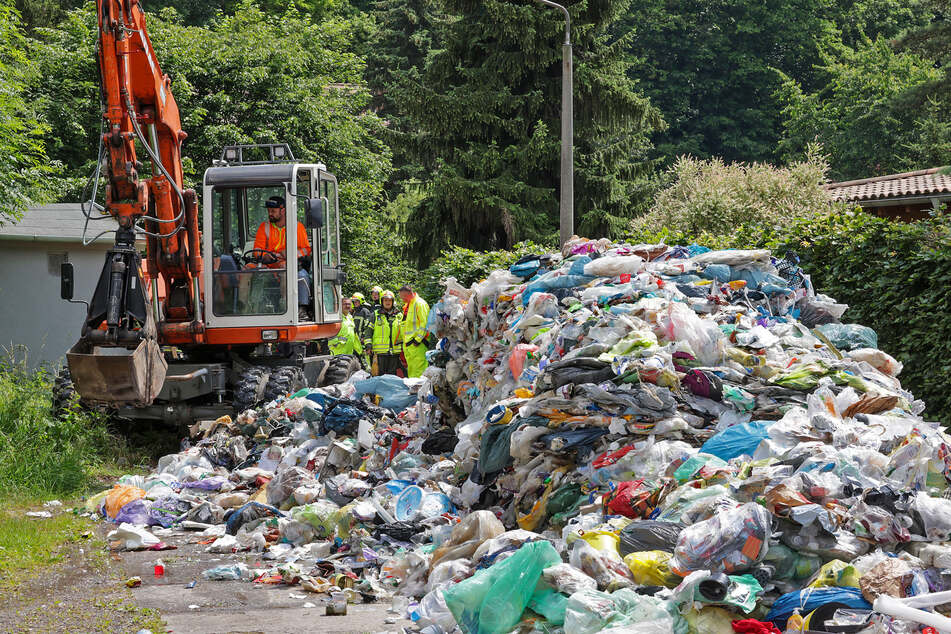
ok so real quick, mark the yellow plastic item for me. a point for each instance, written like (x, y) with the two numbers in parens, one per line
(120, 495)
(710, 620)
(795, 622)
(836, 573)
(651, 568)
(95, 501)
(524, 393)
(603, 541)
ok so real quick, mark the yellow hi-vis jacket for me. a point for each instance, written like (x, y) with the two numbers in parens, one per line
(415, 316)
(386, 337)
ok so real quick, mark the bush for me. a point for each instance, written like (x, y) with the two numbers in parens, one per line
(40, 453)
(469, 266)
(711, 196)
(895, 277)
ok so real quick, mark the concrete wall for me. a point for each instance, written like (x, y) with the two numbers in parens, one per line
(31, 311)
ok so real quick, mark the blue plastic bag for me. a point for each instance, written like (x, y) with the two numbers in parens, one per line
(737, 440)
(814, 597)
(391, 388)
(849, 336)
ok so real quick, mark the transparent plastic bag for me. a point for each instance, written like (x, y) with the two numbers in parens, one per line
(730, 541)
(609, 573)
(468, 535)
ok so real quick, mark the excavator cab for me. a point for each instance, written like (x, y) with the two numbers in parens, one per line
(296, 277)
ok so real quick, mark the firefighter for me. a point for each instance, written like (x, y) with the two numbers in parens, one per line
(346, 340)
(386, 342)
(413, 331)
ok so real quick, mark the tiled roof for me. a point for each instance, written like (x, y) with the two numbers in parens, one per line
(922, 183)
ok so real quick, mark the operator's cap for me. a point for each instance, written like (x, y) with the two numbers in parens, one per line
(376, 289)
(274, 202)
(388, 293)
(358, 296)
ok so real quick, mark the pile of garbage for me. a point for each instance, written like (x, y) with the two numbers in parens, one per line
(626, 438)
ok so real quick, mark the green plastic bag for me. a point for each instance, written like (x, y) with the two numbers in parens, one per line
(550, 604)
(492, 600)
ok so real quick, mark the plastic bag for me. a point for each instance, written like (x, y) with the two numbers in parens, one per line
(849, 336)
(589, 611)
(284, 482)
(327, 518)
(635, 500)
(935, 516)
(492, 600)
(119, 496)
(649, 535)
(739, 440)
(568, 579)
(613, 266)
(608, 572)
(468, 535)
(809, 599)
(132, 537)
(652, 568)
(881, 361)
(836, 573)
(732, 540)
(393, 390)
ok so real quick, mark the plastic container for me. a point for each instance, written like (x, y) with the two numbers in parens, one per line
(159, 568)
(408, 503)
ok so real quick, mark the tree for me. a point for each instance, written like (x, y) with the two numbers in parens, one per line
(481, 124)
(858, 20)
(857, 115)
(249, 77)
(933, 42)
(710, 67)
(23, 164)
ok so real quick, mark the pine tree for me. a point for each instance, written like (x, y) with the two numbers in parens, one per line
(481, 123)
(933, 41)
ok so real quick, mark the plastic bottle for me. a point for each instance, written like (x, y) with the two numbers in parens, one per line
(159, 568)
(795, 622)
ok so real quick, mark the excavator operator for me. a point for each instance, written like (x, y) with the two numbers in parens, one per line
(272, 237)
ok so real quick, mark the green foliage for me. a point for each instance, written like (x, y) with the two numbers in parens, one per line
(933, 42)
(469, 266)
(716, 198)
(895, 277)
(41, 454)
(710, 67)
(480, 123)
(858, 114)
(22, 160)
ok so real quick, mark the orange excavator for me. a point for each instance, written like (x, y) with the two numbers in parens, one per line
(205, 322)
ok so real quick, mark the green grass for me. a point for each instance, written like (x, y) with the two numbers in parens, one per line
(46, 455)
(27, 544)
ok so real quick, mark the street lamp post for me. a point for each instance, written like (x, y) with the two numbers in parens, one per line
(567, 206)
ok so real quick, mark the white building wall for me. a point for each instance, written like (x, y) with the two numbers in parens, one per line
(31, 311)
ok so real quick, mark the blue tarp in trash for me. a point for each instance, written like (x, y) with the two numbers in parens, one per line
(737, 440)
(814, 598)
(391, 388)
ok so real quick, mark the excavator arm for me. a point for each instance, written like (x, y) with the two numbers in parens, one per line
(118, 360)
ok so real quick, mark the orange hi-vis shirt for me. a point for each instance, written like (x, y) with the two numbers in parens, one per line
(270, 237)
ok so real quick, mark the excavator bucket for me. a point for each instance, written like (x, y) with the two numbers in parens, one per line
(117, 376)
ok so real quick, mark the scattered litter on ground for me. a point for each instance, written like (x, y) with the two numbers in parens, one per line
(636, 438)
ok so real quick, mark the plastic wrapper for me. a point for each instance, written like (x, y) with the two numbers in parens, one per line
(119, 496)
(732, 540)
(567, 579)
(130, 537)
(327, 518)
(468, 535)
(590, 611)
(492, 600)
(652, 568)
(849, 336)
(608, 572)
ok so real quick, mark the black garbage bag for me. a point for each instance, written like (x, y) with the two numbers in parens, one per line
(649, 535)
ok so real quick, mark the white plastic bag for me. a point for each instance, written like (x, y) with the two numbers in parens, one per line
(132, 537)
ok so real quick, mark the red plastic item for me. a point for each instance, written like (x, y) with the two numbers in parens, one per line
(159, 568)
